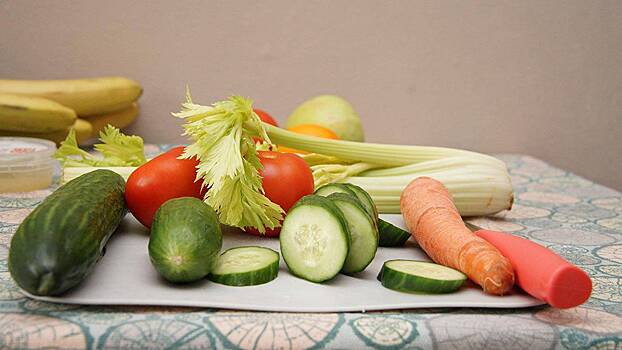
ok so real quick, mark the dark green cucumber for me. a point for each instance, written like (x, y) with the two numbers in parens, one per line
(314, 239)
(57, 245)
(185, 239)
(246, 266)
(363, 232)
(414, 276)
(391, 235)
(365, 199)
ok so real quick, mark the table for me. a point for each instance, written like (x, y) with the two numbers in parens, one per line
(573, 216)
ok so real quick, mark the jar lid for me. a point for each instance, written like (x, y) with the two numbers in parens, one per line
(24, 150)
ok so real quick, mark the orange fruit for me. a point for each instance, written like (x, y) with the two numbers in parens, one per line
(311, 130)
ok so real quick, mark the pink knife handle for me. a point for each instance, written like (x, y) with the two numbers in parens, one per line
(540, 272)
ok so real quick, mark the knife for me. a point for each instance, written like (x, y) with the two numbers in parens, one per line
(539, 271)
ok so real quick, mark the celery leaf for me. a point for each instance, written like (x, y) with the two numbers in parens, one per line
(126, 150)
(117, 150)
(228, 161)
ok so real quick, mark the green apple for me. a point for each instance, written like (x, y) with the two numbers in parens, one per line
(332, 112)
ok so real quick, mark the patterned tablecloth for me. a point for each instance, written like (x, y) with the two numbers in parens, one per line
(577, 218)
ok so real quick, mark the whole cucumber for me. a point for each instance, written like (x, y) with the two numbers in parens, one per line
(58, 244)
(185, 239)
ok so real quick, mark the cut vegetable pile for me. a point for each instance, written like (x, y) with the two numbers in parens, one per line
(323, 205)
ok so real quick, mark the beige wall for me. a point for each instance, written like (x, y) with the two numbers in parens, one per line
(536, 77)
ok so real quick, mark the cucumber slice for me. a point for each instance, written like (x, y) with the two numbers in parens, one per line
(363, 231)
(420, 276)
(329, 189)
(365, 199)
(314, 239)
(245, 266)
(391, 235)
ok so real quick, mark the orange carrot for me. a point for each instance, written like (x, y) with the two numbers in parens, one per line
(433, 220)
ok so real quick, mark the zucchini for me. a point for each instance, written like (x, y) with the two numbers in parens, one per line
(246, 266)
(391, 235)
(414, 276)
(185, 239)
(363, 233)
(314, 239)
(57, 245)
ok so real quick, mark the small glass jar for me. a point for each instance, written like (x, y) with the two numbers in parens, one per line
(26, 164)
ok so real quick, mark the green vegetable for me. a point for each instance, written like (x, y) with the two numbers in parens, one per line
(477, 188)
(185, 240)
(374, 153)
(222, 141)
(117, 149)
(363, 233)
(479, 183)
(332, 112)
(58, 244)
(315, 239)
(119, 153)
(228, 162)
(246, 266)
(391, 235)
(420, 276)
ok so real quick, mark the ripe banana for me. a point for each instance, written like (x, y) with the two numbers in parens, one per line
(33, 114)
(119, 119)
(85, 96)
(84, 131)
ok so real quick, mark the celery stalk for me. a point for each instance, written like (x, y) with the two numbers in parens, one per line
(381, 154)
(476, 189)
(70, 173)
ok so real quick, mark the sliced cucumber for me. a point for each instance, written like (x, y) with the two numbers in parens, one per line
(420, 276)
(363, 232)
(315, 239)
(329, 189)
(391, 235)
(365, 199)
(245, 266)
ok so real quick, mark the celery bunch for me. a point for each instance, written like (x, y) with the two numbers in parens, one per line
(222, 142)
(480, 184)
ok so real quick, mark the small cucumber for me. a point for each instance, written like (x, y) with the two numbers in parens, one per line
(391, 235)
(185, 239)
(363, 232)
(245, 266)
(57, 245)
(315, 239)
(420, 276)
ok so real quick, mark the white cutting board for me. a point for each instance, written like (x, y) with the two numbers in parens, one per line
(124, 276)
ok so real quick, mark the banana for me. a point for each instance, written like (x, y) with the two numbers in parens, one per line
(33, 114)
(84, 132)
(119, 119)
(86, 129)
(85, 96)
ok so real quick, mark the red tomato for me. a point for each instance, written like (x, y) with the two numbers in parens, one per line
(286, 179)
(265, 117)
(160, 179)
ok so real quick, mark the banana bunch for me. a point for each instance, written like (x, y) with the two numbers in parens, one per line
(48, 109)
